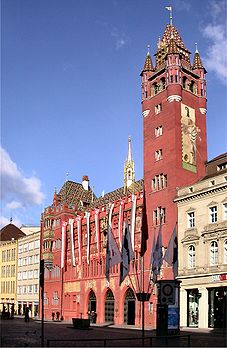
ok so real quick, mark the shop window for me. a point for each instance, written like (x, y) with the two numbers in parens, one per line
(213, 214)
(191, 219)
(213, 253)
(191, 256)
(193, 307)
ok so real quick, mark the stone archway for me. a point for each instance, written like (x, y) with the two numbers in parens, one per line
(91, 301)
(109, 307)
(129, 307)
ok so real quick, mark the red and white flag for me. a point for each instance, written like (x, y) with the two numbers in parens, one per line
(87, 217)
(97, 231)
(120, 221)
(133, 219)
(63, 243)
(78, 221)
(72, 247)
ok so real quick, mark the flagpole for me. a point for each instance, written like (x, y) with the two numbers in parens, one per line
(143, 301)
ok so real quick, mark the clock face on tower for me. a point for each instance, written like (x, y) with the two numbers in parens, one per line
(167, 290)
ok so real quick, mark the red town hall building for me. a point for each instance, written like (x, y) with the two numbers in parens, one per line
(73, 228)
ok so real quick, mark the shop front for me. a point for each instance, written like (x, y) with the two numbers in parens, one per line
(217, 313)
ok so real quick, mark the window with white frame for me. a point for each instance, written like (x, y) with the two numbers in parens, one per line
(213, 253)
(191, 219)
(30, 260)
(158, 155)
(158, 131)
(55, 298)
(225, 211)
(30, 274)
(158, 108)
(20, 249)
(213, 214)
(191, 256)
(30, 288)
(225, 251)
(31, 245)
(36, 289)
(25, 275)
(20, 262)
(36, 244)
(36, 273)
(26, 247)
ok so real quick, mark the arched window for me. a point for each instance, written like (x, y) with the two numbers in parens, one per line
(225, 251)
(213, 253)
(162, 83)
(191, 256)
(155, 86)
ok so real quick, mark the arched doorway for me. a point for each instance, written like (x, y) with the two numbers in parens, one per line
(92, 302)
(129, 307)
(109, 307)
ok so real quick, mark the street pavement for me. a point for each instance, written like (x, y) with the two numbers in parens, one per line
(18, 333)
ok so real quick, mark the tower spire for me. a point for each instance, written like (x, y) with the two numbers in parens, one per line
(129, 173)
(170, 9)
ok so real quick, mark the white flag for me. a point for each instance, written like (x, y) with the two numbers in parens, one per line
(71, 221)
(87, 217)
(133, 218)
(97, 231)
(78, 220)
(169, 8)
(63, 243)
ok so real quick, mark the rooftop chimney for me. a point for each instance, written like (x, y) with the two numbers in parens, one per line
(85, 182)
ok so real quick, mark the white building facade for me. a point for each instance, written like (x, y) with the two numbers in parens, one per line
(202, 248)
(28, 274)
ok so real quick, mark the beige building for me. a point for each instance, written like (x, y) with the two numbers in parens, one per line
(202, 247)
(8, 267)
(28, 273)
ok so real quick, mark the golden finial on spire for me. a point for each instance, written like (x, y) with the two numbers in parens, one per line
(170, 9)
(148, 49)
(196, 48)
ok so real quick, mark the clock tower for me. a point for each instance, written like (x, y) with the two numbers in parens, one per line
(174, 120)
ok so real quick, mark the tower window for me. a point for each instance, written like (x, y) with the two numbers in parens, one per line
(158, 131)
(159, 182)
(158, 109)
(162, 83)
(158, 155)
(159, 215)
(155, 87)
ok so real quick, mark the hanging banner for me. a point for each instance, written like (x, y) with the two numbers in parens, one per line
(133, 219)
(120, 220)
(87, 217)
(97, 231)
(78, 221)
(63, 243)
(71, 221)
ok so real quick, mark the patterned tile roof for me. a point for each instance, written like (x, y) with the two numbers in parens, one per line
(74, 193)
(148, 66)
(197, 64)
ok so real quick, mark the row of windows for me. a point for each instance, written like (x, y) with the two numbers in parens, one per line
(54, 273)
(8, 271)
(28, 260)
(159, 182)
(214, 254)
(159, 216)
(28, 289)
(213, 215)
(8, 287)
(8, 255)
(28, 274)
(29, 246)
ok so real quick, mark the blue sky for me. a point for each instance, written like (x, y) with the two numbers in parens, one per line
(71, 90)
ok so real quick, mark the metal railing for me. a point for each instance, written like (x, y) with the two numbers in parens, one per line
(163, 341)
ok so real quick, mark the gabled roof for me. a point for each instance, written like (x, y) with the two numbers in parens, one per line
(74, 193)
(10, 232)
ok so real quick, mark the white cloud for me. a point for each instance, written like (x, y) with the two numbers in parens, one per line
(14, 205)
(15, 186)
(216, 58)
(118, 38)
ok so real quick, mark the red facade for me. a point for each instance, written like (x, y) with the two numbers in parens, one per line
(174, 111)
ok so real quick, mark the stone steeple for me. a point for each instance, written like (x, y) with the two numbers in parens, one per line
(129, 171)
